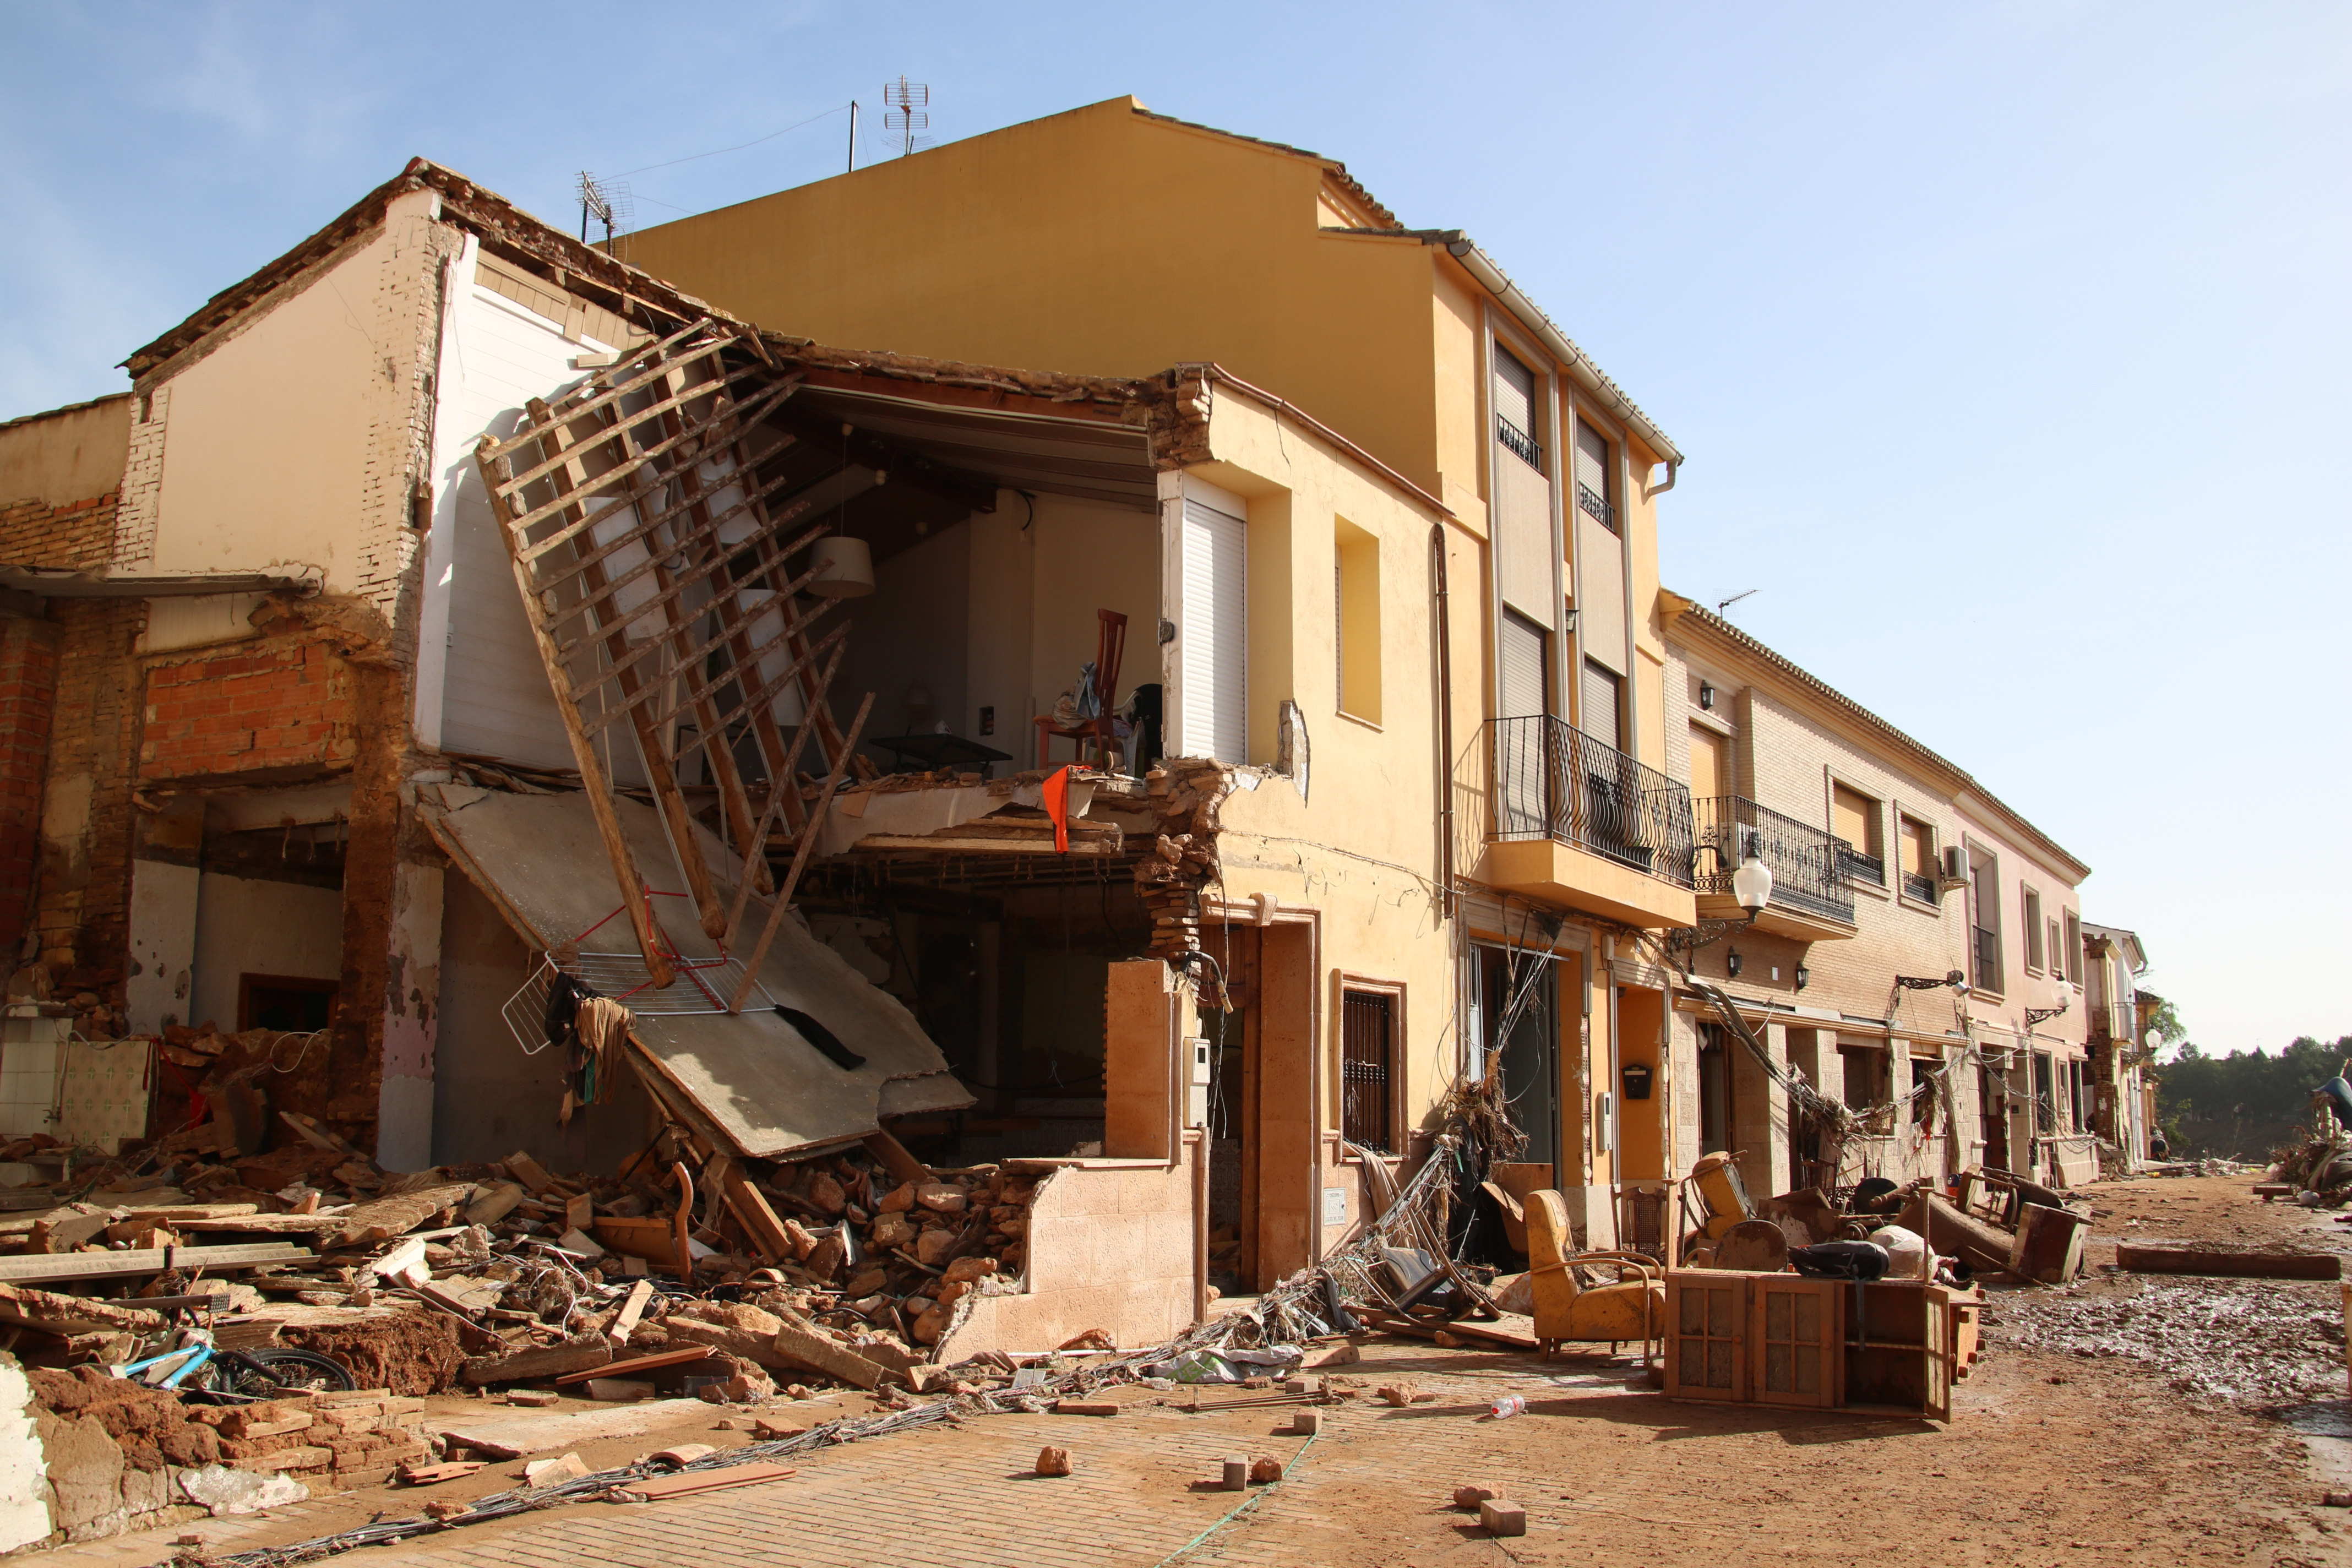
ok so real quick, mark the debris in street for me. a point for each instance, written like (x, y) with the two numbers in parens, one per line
(1236, 1471)
(1053, 1461)
(1471, 1495)
(2237, 1263)
(1499, 1518)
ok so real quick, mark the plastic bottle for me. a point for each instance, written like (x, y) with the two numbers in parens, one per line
(1510, 1405)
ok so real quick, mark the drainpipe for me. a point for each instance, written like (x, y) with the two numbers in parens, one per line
(1199, 1139)
(1444, 714)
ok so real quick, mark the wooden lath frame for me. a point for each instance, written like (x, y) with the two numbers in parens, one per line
(635, 519)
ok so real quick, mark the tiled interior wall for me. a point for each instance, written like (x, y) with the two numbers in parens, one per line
(28, 1074)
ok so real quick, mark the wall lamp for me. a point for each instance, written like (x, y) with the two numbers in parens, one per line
(1733, 962)
(1804, 977)
(1706, 697)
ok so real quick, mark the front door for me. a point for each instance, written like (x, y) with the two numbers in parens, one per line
(1520, 1005)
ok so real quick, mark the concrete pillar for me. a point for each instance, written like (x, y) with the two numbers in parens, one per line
(164, 878)
(412, 1003)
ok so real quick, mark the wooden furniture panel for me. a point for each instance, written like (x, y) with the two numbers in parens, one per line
(1707, 1323)
(1797, 1330)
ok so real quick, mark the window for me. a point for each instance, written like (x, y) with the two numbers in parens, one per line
(2033, 933)
(1604, 714)
(2057, 950)
(1215, 632)
(284, 1002)
(1367, 1068)
(1854, 818)
(1356, 617)
(1916, 844)
(2074, 947)
(1984, 916)
(1866, 1069)
(2045, 1096)
(1515, 408)
(1923, 1091)
(1714, 1092)
(1595, 476)
(1526, 667)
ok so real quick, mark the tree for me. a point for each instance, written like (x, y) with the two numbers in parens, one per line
(2247, 1103)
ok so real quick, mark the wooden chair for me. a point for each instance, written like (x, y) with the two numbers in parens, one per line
(1110, 644)
(1633, 1309)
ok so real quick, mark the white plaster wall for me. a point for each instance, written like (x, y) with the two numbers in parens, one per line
(247, 927)
(412, 1011)
(24, 1509)
(481, 687)
(910, 629)
(164, 918)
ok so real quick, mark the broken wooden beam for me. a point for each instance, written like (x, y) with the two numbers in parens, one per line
(31, 1267)
(2235, 1264)
(551, 1361)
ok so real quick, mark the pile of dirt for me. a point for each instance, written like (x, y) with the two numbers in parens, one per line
(148, 1425)
(2255, 1343)
(412, 1353)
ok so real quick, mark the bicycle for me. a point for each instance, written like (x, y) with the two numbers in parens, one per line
(220, 1377)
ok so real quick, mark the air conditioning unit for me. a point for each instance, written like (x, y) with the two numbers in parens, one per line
(1955, 867)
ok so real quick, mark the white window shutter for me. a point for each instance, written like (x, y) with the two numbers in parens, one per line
(1215, 636)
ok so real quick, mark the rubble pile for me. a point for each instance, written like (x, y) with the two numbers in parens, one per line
(2318, 1165)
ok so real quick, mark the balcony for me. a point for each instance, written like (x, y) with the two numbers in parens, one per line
(1581, 823)
(1811, 901)
(1528, 448)
(1922, 887)
(1861, 868)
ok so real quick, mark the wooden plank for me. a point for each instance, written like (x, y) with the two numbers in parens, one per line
(656, 353)
(659, 770)
(691, 1483)
(800, 857)
(902, 1165)
(767, 1232)
(2235, 1264)
(638, 1364)
(902, 844)
(495, 471)
(589, 1351)
(814, 1351)
(625, 1323)
(31, 1267)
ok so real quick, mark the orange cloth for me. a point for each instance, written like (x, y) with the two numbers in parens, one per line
(1056, 791)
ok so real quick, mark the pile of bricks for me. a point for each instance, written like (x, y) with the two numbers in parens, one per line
(359, 1439)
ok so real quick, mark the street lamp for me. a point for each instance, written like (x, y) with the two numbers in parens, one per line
(1752, 883)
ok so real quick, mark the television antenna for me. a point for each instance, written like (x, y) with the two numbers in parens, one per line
(905, 117)
(607, 202)
(1724, 604)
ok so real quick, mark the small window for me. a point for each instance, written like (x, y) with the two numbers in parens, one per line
(1367, 1069)
(1596, 493)
(2033, 931)
(1923, 1091)
(1515, 408)
(284, 1002)
(2073, 959)
(1356, 629)
(1917, 847)
(2057, 950)
(1854, 819)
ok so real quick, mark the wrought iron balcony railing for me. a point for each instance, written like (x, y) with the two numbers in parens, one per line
(1528, 448)
(1553, 781)
(1597, 505)
(1862, 867)
(1915, 886)
(1804, 861)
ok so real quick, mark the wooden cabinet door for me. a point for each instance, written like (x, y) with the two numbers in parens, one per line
(1942, 1354)
(1796, 1340)
(1706, 1325)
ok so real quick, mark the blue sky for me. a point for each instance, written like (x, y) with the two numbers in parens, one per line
(2008, 340)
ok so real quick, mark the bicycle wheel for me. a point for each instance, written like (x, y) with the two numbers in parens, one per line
(265, 1373)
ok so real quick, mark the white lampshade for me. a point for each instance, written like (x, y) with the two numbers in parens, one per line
(1752, 883)
(844, 566)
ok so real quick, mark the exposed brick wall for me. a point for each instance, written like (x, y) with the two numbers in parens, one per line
(282, 707)
(81, 909)
(143, 482)
(76, 536)
(28, 690)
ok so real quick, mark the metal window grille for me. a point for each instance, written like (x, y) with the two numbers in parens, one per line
(1596, 504)
(1525, 446)
(1367, 1052)
(1916, 885)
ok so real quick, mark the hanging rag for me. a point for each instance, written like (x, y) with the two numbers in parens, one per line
(601, 1025)
(1056, 793)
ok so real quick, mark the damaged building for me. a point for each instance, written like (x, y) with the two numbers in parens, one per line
(472, 694)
